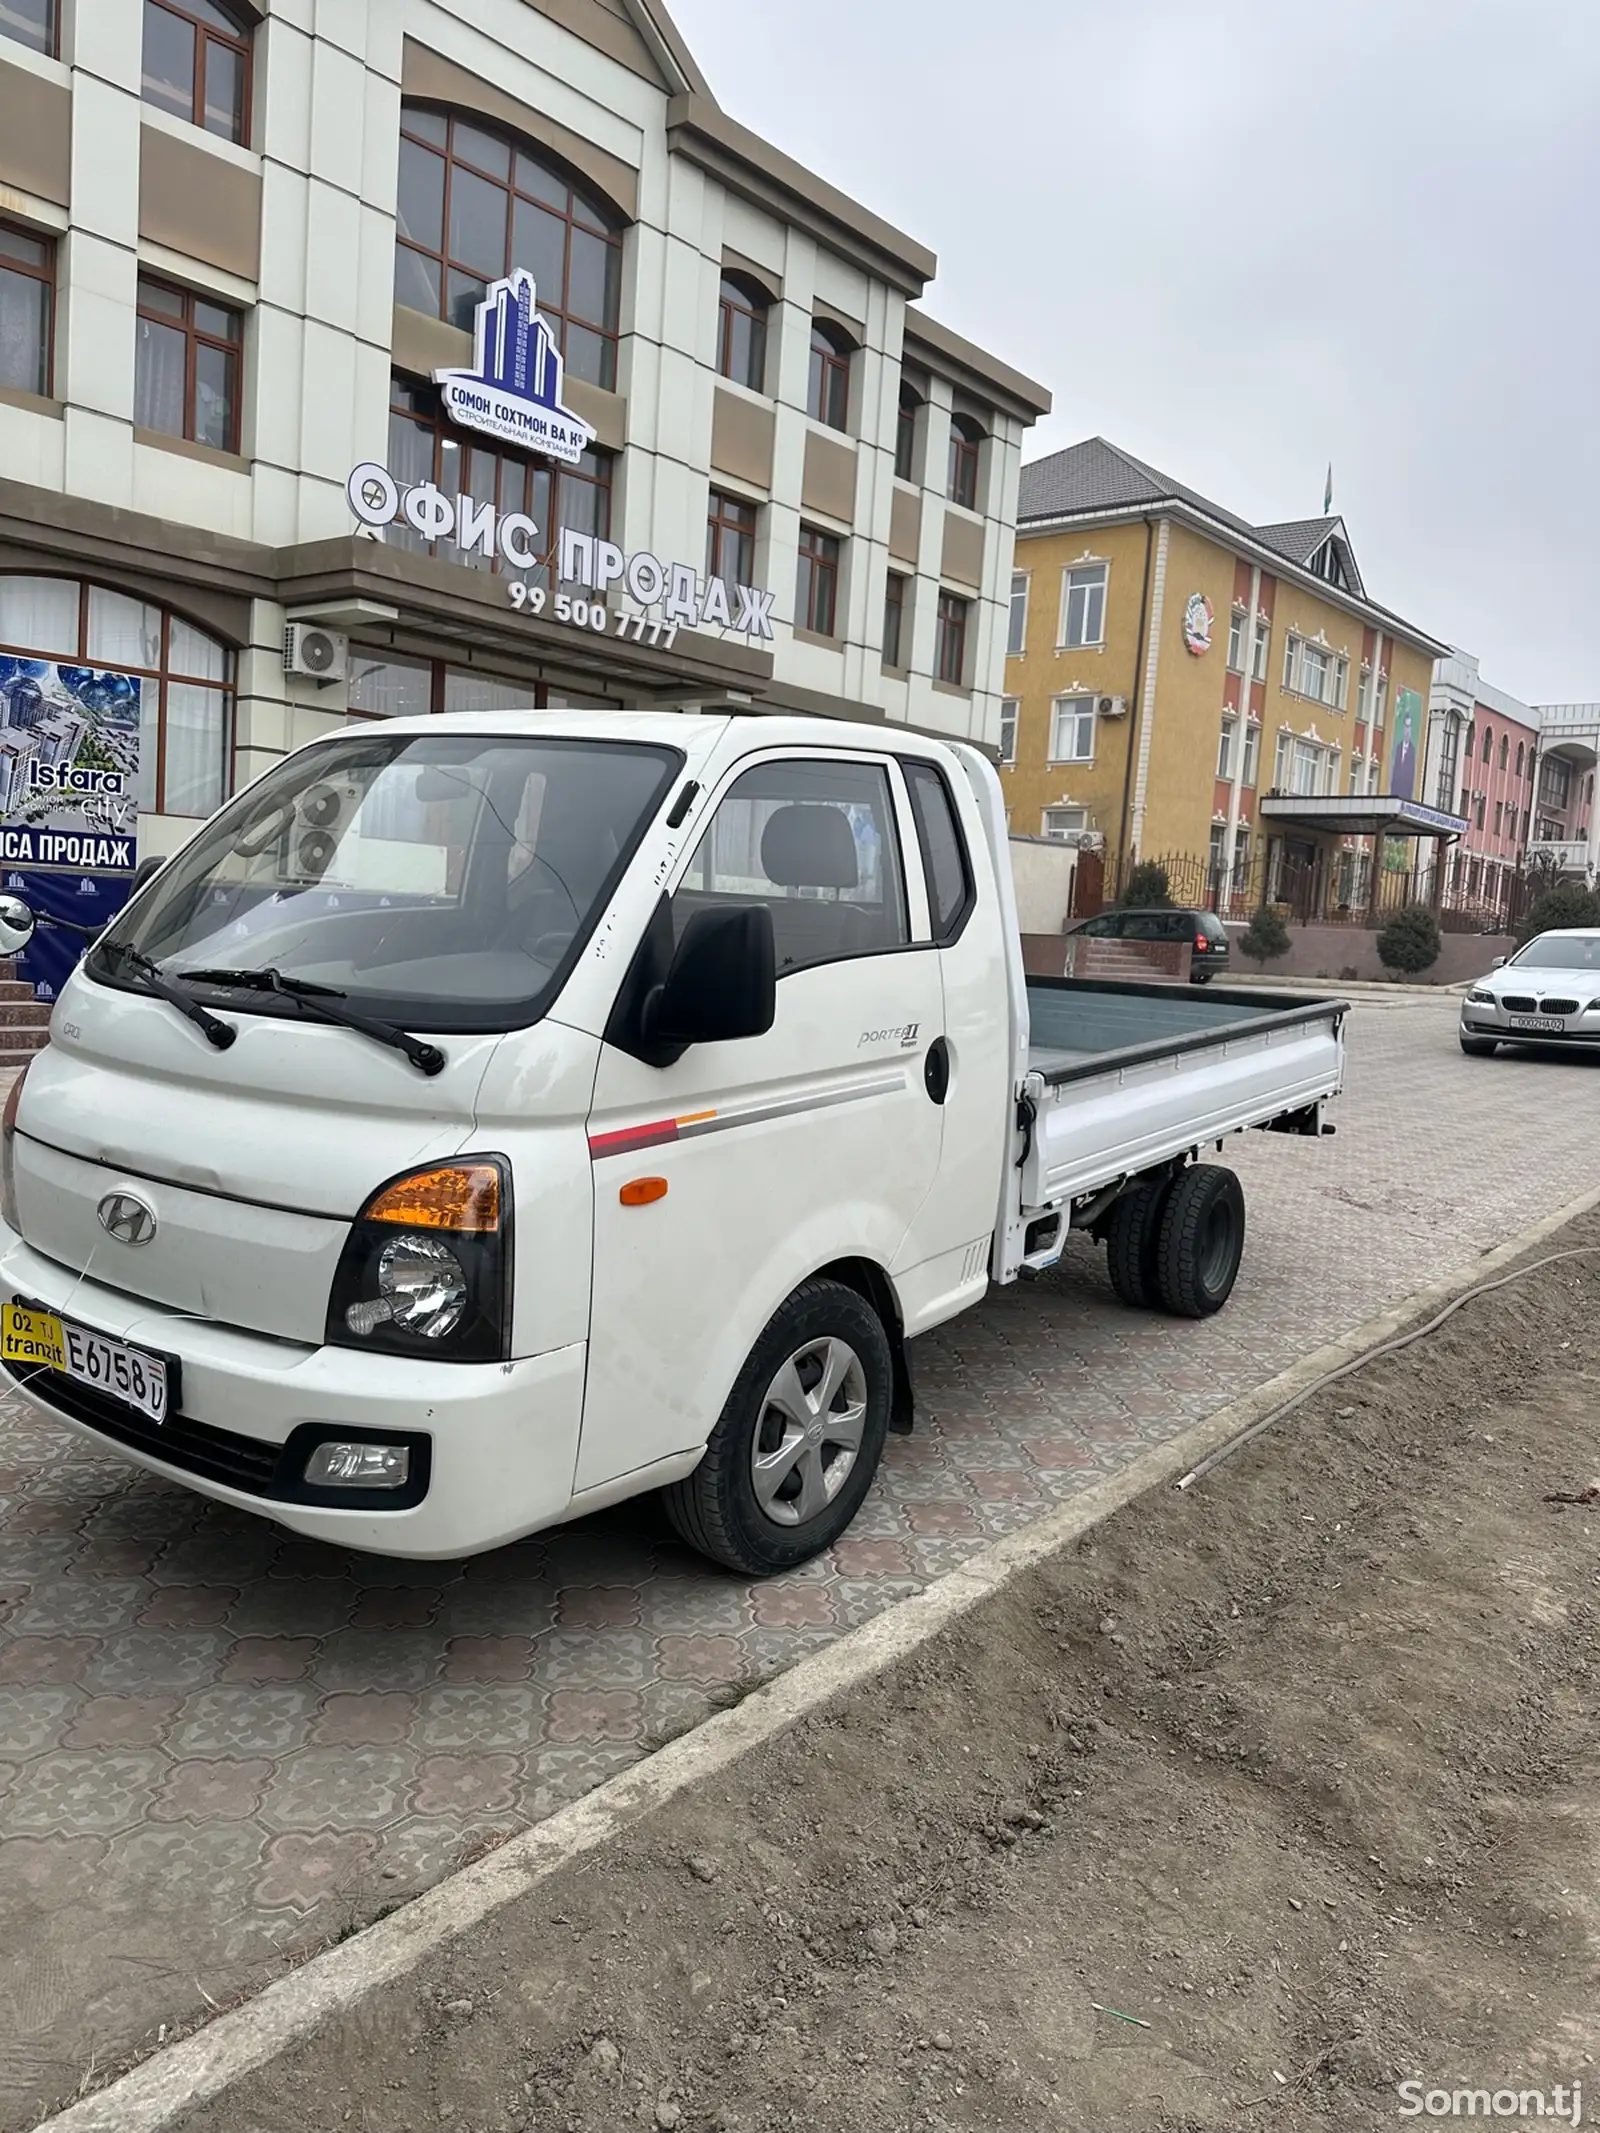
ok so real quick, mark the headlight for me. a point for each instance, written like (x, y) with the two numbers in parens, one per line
(1480, 998)
(426, 1269)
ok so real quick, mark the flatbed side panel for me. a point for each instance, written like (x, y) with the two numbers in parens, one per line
(1097, 1127)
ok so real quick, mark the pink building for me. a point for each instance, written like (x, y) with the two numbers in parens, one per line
(1483, 764)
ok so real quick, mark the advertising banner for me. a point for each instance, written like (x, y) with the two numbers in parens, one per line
(1407, 744)
(69, 810)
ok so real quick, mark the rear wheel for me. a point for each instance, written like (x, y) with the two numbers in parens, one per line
(1133, 1235)
(797, 1445)
(1201, 1241)
(1479, 1047)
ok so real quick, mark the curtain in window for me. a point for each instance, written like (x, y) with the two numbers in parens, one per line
(40, 615)
(196, 748)
(390, 688)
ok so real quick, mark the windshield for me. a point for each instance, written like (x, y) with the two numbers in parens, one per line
(436, 881)
(1554, 951)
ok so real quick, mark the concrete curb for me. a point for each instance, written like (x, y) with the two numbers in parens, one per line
(199, 2067)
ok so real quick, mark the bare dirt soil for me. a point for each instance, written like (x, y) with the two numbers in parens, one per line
(1297, 1770)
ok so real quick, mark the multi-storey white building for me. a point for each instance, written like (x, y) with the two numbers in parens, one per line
(239, 239)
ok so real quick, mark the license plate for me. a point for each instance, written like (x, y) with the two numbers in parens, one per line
(40, 1340)
(1540, 1025)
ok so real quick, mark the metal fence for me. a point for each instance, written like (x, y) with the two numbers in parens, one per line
(1336, 889)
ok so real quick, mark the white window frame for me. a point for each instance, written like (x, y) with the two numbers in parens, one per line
(1082, 714)
(1263, 651)
(1017, 639)
(1059, 832)
(1010, 715)
(1230, 727)
(1281, 759)
(1252, 752)
(1236, 626)
(1087, 572)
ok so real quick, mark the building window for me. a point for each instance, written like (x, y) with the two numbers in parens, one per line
(1252, 752)
(1017, 633)
(895, 647)
(1374, 777)
(34, 23)
(196, 63)
(382, 686)
(1488, 743)
(742, 332)
(1083, 606)
(1521, 752)
(1225, 749)
(1072, 729)
(1010, 709)
(905, 436)
(1061, 823)
(1236, 628)
(424, 446)
(828, 390)
(27, 305)
(185, 679)
(1311, 670)
(731, 540)
(816, 604)
(950, 650)
(1555, 783)
(186, 376)
(966, 454)
(474, 206)
(1449, 743)
(1505, 751)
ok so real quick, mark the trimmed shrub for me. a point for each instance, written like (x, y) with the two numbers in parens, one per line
(1266, 937)
(1148, 886)
(1411, 942)
(1571, 904)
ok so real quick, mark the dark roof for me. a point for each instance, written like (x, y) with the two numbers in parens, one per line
(1297, 538)
(1097, 476)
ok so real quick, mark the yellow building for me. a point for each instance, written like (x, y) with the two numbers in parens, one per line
(1225, 698)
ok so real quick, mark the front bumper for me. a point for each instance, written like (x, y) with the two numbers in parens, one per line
(1581, 1031)
(497, 1443)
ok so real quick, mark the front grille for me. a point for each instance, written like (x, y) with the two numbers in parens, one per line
(193, 1447)
(1560, 1007)
(1519, 1003)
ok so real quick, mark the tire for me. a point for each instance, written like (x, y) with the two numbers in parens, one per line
(1133, 1233)
(1201, 1242)
(1479, 1047)
(1199, 977)
(746, 1505)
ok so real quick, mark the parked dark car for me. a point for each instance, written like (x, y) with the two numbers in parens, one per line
(1203, 930)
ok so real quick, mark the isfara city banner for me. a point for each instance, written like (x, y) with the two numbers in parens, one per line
(69, 808)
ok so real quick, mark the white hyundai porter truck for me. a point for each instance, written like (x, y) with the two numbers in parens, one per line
(485, 1119)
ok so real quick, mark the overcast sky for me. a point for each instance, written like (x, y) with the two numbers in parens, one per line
(1245, 237)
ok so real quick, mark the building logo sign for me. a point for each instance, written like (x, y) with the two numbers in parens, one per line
(1198, 616)
(514, 388)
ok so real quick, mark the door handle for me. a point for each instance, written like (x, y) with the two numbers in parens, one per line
(936, 1070)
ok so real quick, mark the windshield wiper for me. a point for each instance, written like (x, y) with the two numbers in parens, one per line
(327, 1001)
(221, 1034)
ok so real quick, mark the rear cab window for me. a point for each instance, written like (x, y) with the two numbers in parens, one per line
(946, 865)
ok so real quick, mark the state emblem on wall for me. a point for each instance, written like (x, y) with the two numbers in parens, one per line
(1198, 616)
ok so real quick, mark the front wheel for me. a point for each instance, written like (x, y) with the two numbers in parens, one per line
(1201, 1242)
(799, 1440)
(1479, 1047)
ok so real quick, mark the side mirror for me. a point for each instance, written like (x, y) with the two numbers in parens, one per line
(143, 871)
(1499, 963)
(723, 983)
(17, 923)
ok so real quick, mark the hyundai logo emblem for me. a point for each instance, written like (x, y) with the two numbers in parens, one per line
(126, 1218)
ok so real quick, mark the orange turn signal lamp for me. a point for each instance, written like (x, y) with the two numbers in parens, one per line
(643, 1192)
(459, 1196)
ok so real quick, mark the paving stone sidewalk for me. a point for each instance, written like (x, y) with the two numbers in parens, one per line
(220, 1745)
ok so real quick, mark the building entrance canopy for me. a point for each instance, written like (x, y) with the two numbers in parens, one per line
(1361, 815)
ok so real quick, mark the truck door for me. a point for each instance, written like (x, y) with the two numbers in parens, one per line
(944, 1262)
(779, 1154)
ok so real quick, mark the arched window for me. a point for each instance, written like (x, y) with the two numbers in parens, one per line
(1505, 751)
(424, 446)
(905, 436)
(474, 205)
(197, 64)
(828, 394)
(966, 451)
(1488, 743)
(742, 331)
(1520, 757)
(184, 677)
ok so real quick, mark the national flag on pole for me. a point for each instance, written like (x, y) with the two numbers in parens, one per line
(1327, 494)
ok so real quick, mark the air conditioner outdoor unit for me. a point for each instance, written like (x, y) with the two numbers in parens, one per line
(319, 654)
(1113, 707)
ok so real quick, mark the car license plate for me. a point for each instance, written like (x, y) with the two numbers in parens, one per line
(1540, 1025)
(42, 1341)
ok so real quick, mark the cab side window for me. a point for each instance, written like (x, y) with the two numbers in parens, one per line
(816, 843)
(944, 851)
